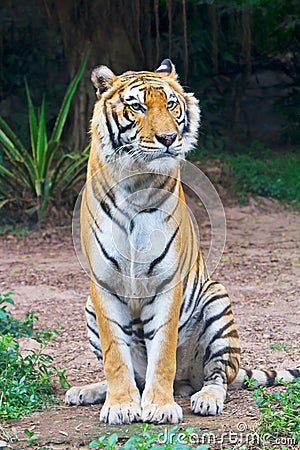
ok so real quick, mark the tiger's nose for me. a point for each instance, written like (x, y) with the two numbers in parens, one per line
(166, 139)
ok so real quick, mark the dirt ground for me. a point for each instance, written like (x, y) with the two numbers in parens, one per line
(260, 268)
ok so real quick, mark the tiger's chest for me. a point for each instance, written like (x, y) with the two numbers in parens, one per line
(132, 250)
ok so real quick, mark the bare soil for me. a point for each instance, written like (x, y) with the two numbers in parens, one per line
(260, 268)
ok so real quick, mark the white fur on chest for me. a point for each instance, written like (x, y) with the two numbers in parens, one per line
(134, 237)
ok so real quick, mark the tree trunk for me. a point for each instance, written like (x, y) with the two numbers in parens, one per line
(102, 27)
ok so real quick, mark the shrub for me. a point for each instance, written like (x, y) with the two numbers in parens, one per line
(27, 378)
(30, 176)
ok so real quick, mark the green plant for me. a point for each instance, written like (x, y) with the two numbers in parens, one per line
(143, 439)
(27, 377)
(31, 436)
(280, 346)
(20, 327)
(277, 177)
(253, 169)
(30, 176)
(279, 412)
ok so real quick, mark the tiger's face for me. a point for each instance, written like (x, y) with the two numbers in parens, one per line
(145, 117)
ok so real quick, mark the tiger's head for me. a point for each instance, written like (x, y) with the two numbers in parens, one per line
(145, 116)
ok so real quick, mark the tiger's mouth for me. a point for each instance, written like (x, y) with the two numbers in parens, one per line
(159, 153)
(143, 154)
(165, 154)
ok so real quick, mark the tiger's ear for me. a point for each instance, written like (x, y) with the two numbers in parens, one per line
(102, 78)
(167, 67)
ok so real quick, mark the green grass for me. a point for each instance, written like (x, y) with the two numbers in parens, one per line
(27, 378)
(254, 169)
(279, 417)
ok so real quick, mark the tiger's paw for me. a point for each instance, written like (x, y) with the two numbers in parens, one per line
(89, 394)
(209, 401)
(168, 413)
(119, 413)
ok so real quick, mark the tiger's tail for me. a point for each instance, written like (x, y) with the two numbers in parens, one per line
(247, 379)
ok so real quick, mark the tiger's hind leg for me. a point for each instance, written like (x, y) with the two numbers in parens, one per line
(95, 392)
(215, 361)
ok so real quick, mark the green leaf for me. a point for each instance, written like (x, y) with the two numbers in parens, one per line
(33, 125)
(42, 147)
(65, 107)
(5, 128)
(45, 198)
(112, 440)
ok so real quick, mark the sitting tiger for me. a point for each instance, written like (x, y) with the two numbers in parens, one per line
(155, 319)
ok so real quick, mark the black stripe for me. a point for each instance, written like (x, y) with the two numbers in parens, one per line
(187, 250)
(224, 351)
(209, 284)
(133, 138)
(186, 305)
(106, 287)
(215, 373)
(109, 128)
(294, 372)
(231, 334)
(218, 335)
(151, 334)
(106, 209)
(93, 344)
(164, 253)
(139, 321)
(227, 363)
(131, 226)
(126, 328)
(108, 192)
(107, 256)
(121, 129)
(151, 300)
(92, 313)
(208, 322)
(271, 375)
(95, 332)
(164, 283)
(196, 303)
(213, 299)
(111, 196)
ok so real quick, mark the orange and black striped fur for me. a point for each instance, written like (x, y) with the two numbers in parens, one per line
(154, 317)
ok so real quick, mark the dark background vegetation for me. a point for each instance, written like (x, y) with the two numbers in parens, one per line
(240, 57)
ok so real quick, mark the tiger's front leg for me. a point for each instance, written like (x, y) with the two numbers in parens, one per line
(216, 343)
(161, 333)
(122, 403)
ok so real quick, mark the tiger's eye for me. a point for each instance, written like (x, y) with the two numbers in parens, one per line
(171, 104)
(136, 107)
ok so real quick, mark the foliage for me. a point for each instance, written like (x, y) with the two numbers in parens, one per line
(26, 378)
(20, 327)
(280, 411)
(254, 170)
(33, 176)
(143, 440)
(225, 38)
(278, 177)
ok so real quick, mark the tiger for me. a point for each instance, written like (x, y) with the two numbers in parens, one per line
(155, 320)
